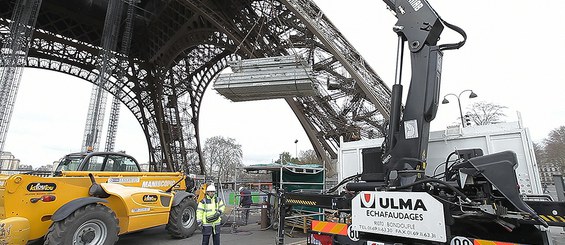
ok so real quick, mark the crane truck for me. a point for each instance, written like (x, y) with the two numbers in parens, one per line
(475, 200)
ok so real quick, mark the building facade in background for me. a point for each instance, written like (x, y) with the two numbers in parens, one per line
(8, 161)
(47, 168)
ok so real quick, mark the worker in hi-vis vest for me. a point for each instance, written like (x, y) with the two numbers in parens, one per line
(208, 215)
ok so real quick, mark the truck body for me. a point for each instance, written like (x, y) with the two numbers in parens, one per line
(490, 139)
(355, 155)
(485, 189)
(392, 217)
(34, 207)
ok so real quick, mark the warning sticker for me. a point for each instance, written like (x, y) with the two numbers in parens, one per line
(404, 214)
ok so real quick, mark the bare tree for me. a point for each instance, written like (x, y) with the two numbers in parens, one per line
(222, 156)
(308, 157)
(484, 113)
(555, 146)
(541, 157)
(285, 157)
(539, 151)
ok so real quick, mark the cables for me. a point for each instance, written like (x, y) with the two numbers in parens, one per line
(458, 45)
(246, 35)
(457, 29)
(343, 182)
(461, 194)
(447, 165)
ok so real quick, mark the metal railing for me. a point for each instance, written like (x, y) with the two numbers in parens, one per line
(41, 173)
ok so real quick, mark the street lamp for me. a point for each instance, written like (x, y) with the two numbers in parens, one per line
(296, 148)
(472, 95)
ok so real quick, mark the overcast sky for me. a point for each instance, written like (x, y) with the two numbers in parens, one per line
(513, 57)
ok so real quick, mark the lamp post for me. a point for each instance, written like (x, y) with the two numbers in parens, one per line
(472, 95)
(296, 148)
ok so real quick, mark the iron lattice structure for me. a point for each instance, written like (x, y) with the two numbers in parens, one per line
(178, 48)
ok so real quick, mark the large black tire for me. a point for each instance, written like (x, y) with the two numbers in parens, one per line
(182, 219)
(94, 224)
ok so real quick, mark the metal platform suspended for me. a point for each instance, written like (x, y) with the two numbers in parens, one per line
(266, 78)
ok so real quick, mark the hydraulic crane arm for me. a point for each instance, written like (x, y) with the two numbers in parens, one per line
(417, 22)
(419, 26)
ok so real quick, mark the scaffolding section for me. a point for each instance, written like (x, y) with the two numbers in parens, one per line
(193, 164)
(173, 129)
(13, 59)
(266, 78)
(122, 70)
(97, 106)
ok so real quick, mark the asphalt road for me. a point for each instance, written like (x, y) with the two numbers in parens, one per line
(251, 234)
(248, 235)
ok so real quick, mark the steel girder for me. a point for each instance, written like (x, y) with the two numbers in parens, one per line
(178, 48)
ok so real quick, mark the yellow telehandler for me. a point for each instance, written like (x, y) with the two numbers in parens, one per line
(91, 199)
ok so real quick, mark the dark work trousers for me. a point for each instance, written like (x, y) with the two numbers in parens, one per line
(245, 214)
(208, 231)
(246, 202)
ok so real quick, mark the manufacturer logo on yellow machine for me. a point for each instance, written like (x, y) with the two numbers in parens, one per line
(36, 187)
(150, 198)
(157, 183)
(137, 210)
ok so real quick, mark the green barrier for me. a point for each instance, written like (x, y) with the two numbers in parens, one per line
(234, 200)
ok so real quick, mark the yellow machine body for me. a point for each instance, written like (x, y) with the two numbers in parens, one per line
(28, 202)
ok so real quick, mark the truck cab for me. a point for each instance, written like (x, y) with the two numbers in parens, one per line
(98, 161)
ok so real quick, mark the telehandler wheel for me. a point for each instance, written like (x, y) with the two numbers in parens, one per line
(94, 224)
(182, 219)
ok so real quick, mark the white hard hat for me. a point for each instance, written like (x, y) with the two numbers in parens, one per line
(211, 188)
(240, 188)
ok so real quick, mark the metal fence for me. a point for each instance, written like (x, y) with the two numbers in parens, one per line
(26, 171)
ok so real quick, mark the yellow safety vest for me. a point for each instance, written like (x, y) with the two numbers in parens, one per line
(207, 208)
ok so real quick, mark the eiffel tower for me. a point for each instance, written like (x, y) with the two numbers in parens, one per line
(177, 49)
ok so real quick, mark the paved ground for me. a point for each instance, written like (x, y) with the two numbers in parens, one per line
(250, 234)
